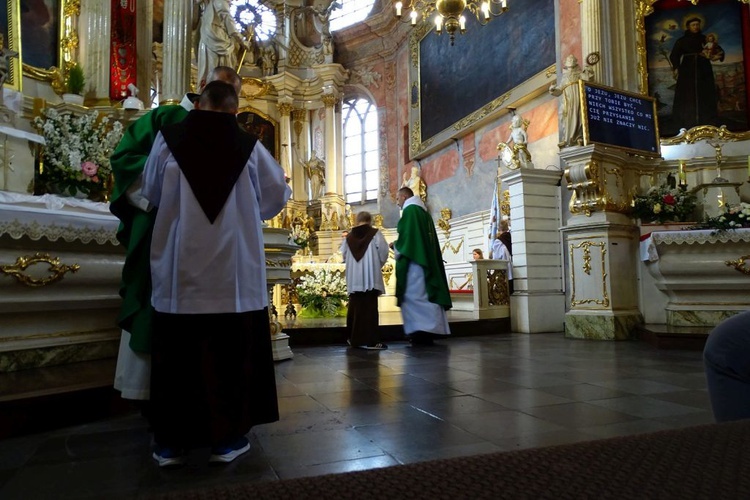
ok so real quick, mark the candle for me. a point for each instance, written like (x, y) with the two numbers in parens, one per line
(748, 167)
(681, 174)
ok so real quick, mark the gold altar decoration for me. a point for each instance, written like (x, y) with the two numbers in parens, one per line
(497, 289)
(740, 264)
(56, 269)
(586, 268)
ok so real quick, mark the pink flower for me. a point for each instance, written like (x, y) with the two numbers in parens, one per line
(89, 168)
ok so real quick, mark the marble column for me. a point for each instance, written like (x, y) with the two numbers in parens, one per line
(537, 260)
(332, 182)
(177, 45)
(96, 19)
(301, 147)
(285, 138)
(143, 46)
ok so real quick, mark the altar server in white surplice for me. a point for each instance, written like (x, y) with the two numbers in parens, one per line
(364, 251)
(212, 364)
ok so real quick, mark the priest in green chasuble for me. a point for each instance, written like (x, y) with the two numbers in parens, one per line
(421, 286)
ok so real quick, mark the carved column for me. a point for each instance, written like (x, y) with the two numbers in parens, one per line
(301, 144)
(143, 46)
(595, 38)
(285, 137)
(177, 46)
(95, 20)
(332, 182)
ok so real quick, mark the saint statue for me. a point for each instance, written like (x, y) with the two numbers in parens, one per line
(219, 42)
(315, 171)
(572, 127)
(415, 183)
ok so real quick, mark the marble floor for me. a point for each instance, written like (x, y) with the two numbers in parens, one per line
(345, 409)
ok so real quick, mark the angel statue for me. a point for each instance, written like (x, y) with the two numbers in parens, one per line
(516, 155)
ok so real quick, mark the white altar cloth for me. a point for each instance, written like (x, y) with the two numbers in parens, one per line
(55, 217)
(650, 241)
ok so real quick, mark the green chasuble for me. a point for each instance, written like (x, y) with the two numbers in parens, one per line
(418, 242)
(134, 232)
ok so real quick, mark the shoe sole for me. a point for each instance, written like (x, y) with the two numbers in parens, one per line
(228, 457)
(168, 462)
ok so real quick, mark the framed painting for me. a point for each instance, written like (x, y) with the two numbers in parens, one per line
(41, 35)
(10, 49)
(513, 56)
(697, 63)
(261, 126)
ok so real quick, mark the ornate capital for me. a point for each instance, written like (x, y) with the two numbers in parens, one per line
(329, 100)
(299, 115)
(285, 109)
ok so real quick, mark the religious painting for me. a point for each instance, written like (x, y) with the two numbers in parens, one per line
(696, 63)
(40, 32)
(10, 50)
(509, 55)
(262, 127)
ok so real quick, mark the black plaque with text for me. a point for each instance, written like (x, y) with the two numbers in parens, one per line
(614, 117)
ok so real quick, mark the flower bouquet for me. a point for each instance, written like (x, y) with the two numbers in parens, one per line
(76, 153)
(734, 217)
(300, 236)
(322, 294)
(664, 204)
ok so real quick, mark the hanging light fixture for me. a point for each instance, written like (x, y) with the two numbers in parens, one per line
(450, 13)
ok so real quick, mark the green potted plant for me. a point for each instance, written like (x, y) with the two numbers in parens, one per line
(74, 84)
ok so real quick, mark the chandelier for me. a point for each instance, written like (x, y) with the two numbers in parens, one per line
(450, 13)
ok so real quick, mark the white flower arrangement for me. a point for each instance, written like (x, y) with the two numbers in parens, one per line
(76, 152)
(323, 293)
(300, 235)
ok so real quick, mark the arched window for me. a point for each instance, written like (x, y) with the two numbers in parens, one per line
(361, 150)
(350, 12)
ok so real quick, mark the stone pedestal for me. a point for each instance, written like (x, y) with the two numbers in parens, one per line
(537, 263)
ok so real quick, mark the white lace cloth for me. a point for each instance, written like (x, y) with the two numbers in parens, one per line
(700, 237)
(56, 217)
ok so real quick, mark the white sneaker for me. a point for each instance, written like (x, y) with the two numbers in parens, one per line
(229, 453)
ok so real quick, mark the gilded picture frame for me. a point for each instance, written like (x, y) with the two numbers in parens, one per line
(663, 32)
(49, 38)
(445, 101)
(261, 126)
(10, 29)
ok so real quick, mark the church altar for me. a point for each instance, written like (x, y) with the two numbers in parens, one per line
(60, 266)
(694, 278)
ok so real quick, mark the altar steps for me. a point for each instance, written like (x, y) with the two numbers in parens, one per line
(691, 338)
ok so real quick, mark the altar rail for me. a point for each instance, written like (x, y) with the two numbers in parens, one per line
(485, 288)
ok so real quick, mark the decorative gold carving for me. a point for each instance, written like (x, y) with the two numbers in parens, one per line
(586, 245)
(481, 113)
(387, 271)
(255, 87)
(377, 220)
(551, 71)
(329, 100)
(56, 269)
(585, 182)
(497, 287)
(505, 203)
(285, 108)
(444, 221)
(705, 132)
(53, 75)
(414, 89)
(642, 9)
(468, 277)
(277, 263)
(448, 244)
(741, 263)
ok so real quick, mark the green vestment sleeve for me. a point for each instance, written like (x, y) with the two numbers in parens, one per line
(418, 242)
(134, 232)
